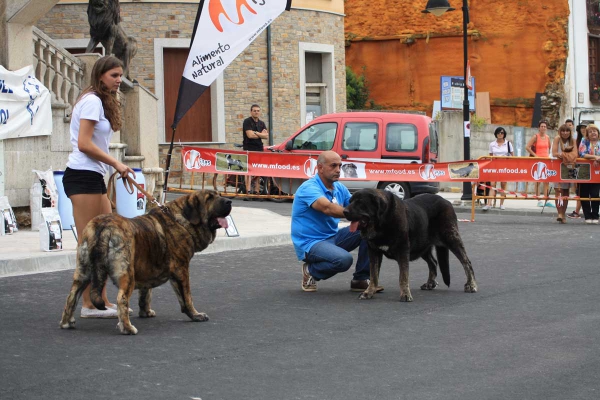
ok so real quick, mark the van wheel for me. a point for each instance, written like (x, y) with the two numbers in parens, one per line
(400, 189)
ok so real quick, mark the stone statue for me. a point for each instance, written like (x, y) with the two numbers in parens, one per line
(105, 27)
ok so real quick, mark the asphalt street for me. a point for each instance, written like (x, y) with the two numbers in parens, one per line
(530, 333)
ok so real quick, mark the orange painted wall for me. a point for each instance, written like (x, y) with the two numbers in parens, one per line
(517, 49)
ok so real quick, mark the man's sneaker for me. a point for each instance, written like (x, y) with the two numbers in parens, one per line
(95, 313)
(574, 214)
(485, 208)
(540, 203)
(361, 286)
(308, 282)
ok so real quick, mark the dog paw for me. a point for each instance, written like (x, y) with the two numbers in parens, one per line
(67, 325)
(149, 314)
(406, 298)
(200, 317)
(131, 331)
(365, 296)
(470, 288)
(429, 285)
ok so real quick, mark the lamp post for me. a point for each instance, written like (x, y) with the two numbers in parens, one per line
(437, 8)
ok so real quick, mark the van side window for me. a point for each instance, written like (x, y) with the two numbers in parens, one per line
(316, 137)
(401, 137)
(360, 136)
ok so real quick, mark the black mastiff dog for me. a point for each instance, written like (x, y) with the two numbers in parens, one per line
(404, 230)
(145, 252)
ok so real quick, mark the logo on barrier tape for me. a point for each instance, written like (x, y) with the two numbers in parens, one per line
(310, 167)
(193, 160)
(428, 172)
(540, 171)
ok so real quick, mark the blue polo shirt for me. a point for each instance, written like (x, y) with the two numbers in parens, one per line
(310, 226)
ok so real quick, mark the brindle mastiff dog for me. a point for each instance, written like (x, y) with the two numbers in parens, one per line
(404, 230)
(145, 252)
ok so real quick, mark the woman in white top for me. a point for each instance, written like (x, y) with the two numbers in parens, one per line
(499, 147)
(96, 115)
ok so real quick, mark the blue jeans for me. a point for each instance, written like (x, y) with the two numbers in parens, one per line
(331, 256)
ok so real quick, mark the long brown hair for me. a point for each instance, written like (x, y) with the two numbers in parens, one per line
(110, 102)
(565, 127)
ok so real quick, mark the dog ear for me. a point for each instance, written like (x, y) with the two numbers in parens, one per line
(192, 210)
(385, 205)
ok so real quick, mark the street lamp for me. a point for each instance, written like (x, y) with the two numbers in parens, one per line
(437, 8)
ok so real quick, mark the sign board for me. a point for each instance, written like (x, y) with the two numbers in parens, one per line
(453, 89)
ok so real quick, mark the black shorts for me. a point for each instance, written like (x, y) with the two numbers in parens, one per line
(82, 181)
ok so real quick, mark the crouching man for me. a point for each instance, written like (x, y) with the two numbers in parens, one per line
(318, 206)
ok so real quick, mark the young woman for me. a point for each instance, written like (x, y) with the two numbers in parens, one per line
(563, 147)
(590, 150)
(96, 115)
(581, 134)
(541, 141)
(499, 147)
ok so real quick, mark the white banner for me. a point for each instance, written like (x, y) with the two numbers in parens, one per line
(225, 29)
(25, 105)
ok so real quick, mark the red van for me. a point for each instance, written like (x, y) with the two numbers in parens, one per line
(371, 136)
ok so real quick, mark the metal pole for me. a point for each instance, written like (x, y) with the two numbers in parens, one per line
(270, 85)
(466, 116)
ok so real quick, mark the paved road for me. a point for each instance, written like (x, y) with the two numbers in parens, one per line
(530, 333)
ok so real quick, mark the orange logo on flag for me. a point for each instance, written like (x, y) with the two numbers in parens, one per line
(216, 9)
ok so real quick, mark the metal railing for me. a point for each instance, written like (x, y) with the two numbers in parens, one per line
(57, 69)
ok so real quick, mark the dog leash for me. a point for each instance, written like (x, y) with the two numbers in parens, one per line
(129, 183)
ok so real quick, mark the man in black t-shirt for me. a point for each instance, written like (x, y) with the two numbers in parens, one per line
(254, 131)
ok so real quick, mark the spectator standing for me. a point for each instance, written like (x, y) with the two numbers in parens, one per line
(581, 134)
(541, 141)
(316, 211)
(254, 131)
(499, 147)
(590, 150)
(564, 148)
(95, 117)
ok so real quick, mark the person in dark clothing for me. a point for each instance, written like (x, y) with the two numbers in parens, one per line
(254, 131)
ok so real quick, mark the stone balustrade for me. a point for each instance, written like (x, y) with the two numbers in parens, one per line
(57, 69)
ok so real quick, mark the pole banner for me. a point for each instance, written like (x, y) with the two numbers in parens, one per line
(304, 166)
(223, 29)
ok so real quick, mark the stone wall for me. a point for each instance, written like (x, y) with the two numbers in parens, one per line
(245, 79)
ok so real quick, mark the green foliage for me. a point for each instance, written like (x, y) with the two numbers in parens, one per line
(477, 122)
(357, 92)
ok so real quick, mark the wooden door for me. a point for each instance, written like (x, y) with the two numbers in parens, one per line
(196, 125)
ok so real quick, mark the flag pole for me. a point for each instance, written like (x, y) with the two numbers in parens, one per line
(164, 195)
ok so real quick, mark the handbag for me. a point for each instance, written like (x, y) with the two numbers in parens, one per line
(569, 156)
(533, 149)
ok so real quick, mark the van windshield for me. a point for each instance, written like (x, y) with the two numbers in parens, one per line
(316, 137)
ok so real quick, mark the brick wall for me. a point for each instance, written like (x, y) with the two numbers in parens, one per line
(245, 79)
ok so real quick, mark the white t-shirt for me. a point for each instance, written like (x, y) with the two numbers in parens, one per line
(89, 107)
(500, 149)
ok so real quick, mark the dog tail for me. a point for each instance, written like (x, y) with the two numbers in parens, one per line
(96, 287)
(98, 275)
(443, 256)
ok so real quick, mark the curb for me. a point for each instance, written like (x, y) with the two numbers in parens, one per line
(66, 261)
